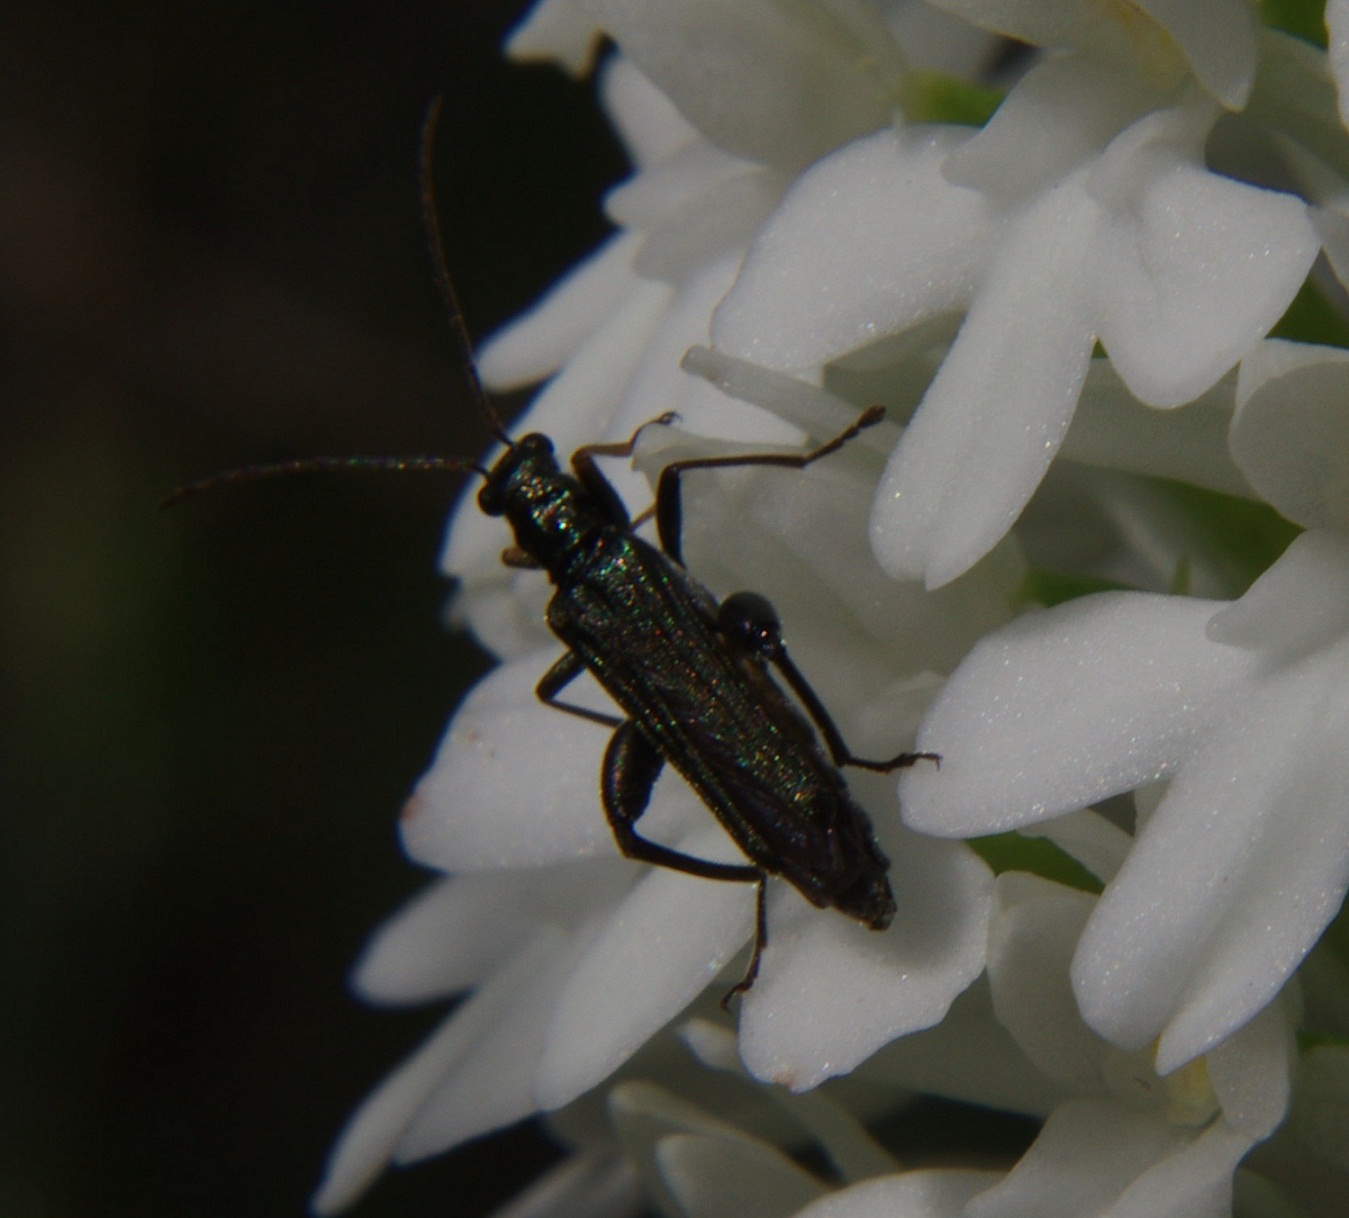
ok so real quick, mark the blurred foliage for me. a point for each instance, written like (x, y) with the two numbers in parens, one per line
(1313, 318)
(1302, 18)
(211, 254)
(934, 97)
(1036, 855)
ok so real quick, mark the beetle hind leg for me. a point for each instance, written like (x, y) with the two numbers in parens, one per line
(631, 767)
(760, 942)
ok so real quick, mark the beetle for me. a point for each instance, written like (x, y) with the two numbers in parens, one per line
(693, 679)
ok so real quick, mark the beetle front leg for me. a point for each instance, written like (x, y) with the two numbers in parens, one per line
(669, 511)
(600, 488)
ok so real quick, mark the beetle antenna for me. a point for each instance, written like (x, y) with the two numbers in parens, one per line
(321, 465)
(418, 464)
(435, 240)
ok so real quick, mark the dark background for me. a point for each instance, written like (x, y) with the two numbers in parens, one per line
(211, 254)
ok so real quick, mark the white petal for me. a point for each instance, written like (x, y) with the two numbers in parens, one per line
(491, 1085)
(1088, 1153)
(969, 1056)
(446, 939)
(537, 343)
(644, 118)
(1048, 23)
(1337, 28)
(831, 992)
(1173, 267)
(903, 245)
(656, 952)
(1011, 161)
(643, 1115)
(942, 43)
(721, 221)
(674, 184)
(838, 1132)
(1098, 844)
(555, 29)
(1218, 39)
(1252, 1072)
(1195, 1183)
(1066, 706)
(1332, 226)
(800, 538)
(504, 610)
(1233, 876)
(723, 1177)
(916, 1194)
(1193, 268)
(1109, 1161)
(1299, 605)
(1031, 944)
(814, 411)
(997, 411)
(584, 1186)
(1112, 429)
(374, 1130)
(1290, 435)
(515, 783)
(1295, 94)
(778, 84)
(657, 382)
(464, 928)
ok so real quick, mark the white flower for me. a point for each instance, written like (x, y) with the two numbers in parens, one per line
(1129, 1141)
(1242, 706)
(1113, 229)
(1119, 1138)
(580, 956)
(805, 234)
(1154, 39)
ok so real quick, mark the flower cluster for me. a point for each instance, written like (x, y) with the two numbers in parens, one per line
(1092, 256)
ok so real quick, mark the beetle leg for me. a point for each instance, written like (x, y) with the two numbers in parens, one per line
(749, 623)
(760, 942)
(669, 513)
(569, 666)
(631, 767)
(833, 738)
(588, 473)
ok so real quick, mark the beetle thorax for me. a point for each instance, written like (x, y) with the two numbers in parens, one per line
(550, 512)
